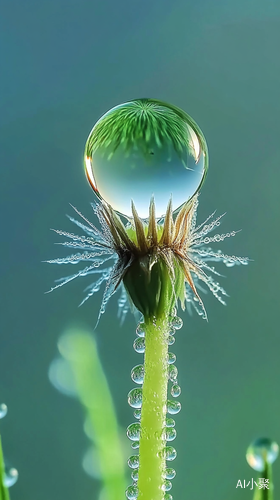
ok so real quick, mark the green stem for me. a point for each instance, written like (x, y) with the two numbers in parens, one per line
(153, 412)
(4, 492)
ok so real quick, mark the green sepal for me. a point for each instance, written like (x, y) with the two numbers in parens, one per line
(153, 286)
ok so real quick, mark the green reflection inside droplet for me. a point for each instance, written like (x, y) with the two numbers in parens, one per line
(145, 148)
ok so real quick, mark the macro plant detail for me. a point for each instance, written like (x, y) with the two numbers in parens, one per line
(141, 158)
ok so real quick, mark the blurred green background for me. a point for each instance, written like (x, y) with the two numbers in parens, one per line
(64, 63)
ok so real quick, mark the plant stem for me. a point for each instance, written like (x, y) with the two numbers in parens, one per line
(4, 492)
(153, 412)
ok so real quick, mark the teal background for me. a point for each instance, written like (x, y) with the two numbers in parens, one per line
(64, 63)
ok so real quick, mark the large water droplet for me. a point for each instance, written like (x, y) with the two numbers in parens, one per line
(139, 345)
(133, 431)
(3, 410)
(137, 374)
(135, 398)
(170, 433)
(172, 373)
(260, 451)
(140, 330)
(169, 473)
(175, 390)
(10, 477)
(173, 407)
(171, 358)
(133, 461)
(170, 453)
(142, 148)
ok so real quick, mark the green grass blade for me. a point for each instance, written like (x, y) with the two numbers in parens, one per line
(79, 349)
(4, 492)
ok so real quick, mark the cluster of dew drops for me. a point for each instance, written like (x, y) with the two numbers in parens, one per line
(173, 407)
(10, 474)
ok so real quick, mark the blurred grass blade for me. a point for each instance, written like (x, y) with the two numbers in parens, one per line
(79, 349)
(265, 493)
(4, 492)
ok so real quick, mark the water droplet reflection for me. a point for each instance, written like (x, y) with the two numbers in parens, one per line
(142, 148)
(260, 451)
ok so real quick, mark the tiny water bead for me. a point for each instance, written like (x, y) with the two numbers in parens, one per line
(132, 492)
(169, 473)
(175, 390)
(133, 461)
(142, 148)
(10, 477)
(170, 422)
(260, 451)
(167, 485)
(176, 322)
(137, 414)
(133, 431)
(135, 475)
(170, 434)
(170, 453)
(171, 340)
(140, 330)
(167, 496)
(3, 410)
(135, 445)
(172, 373)
(173, 407)
(135, 398)
(139, 345)
(137, 374)
(171, 358)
